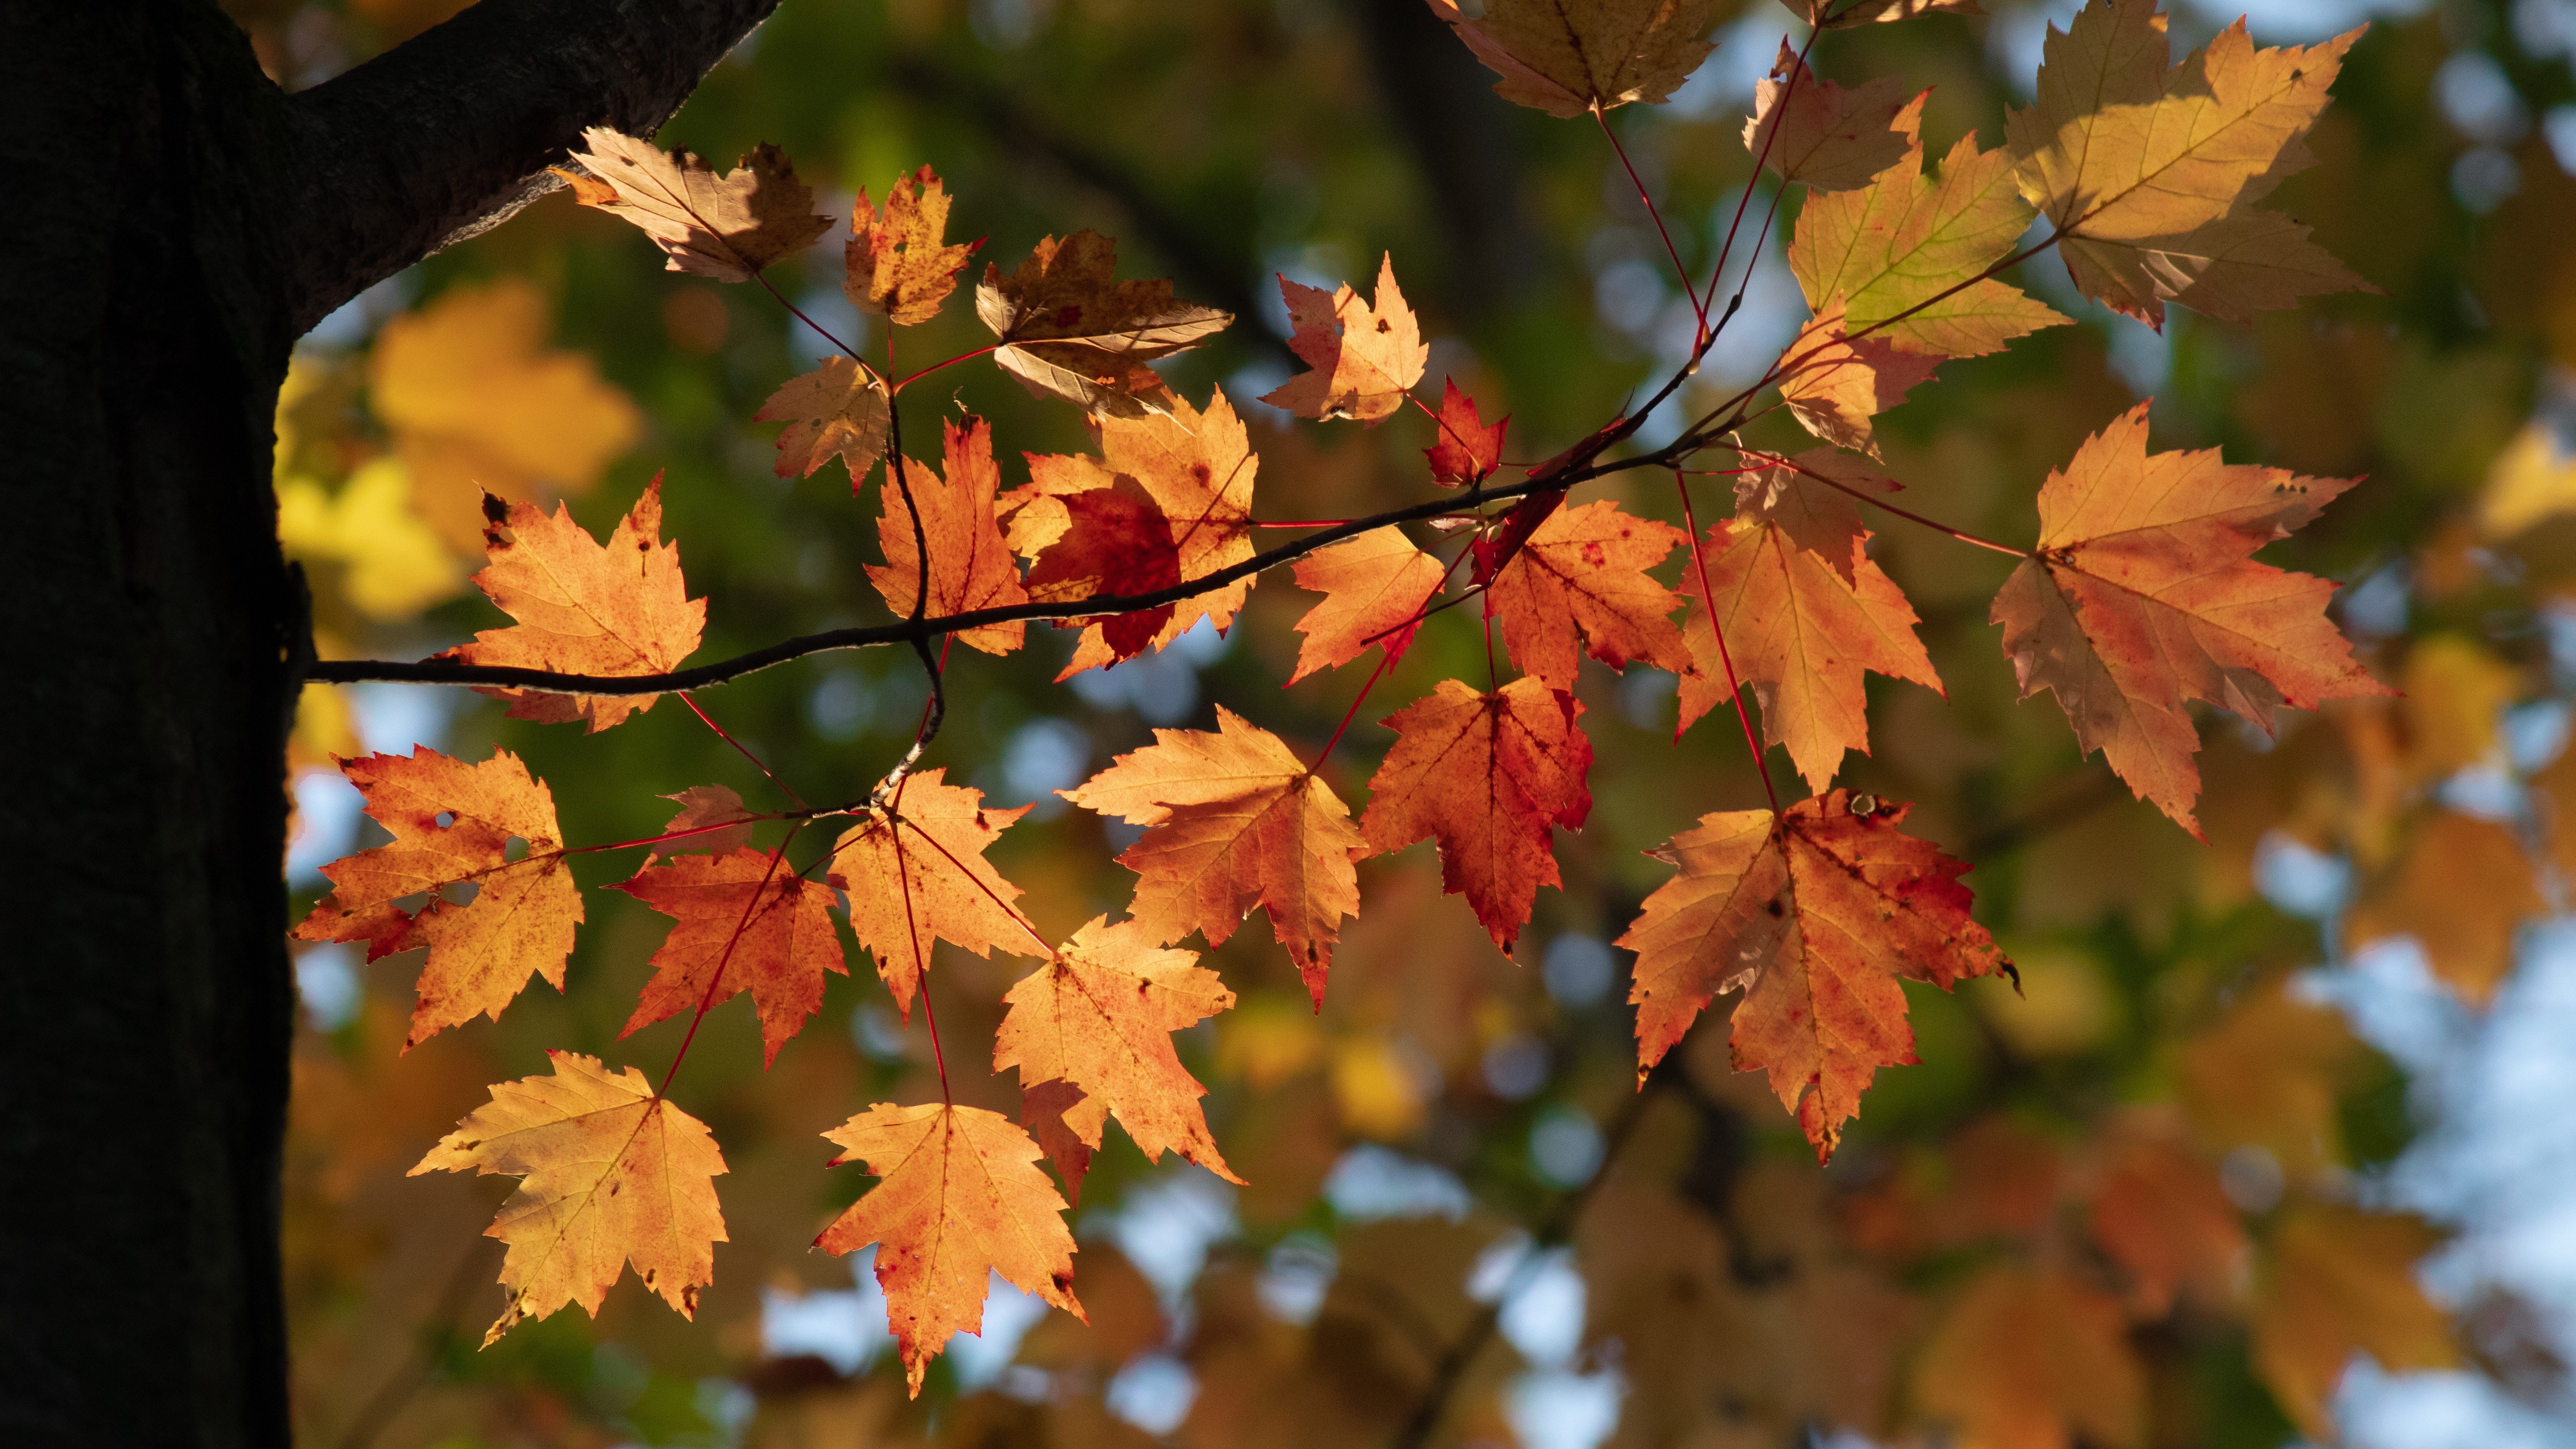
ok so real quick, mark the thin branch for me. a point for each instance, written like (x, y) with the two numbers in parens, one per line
(448, 671)
(1875, 501)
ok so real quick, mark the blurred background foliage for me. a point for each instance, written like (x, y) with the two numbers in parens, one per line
(2275, 1146)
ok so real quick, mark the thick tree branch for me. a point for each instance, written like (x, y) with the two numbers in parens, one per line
(919, 630)
(450, 133)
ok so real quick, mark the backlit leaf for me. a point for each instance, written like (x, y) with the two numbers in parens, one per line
(1567, 57)
(453, 824)
(583, 607)
(1585, 568)
(970, 564)
(1365, 357)
(1070, 328)
(1235, 821)
(1826, 136)
(1815, 914)
(1371, 585)
(839, 410)
(1489, 776)
(745, 922)
(914, 872)
(958, 1199)
(2145, 595)
(899, 265)
(1834, 382)
(1100, 1016)
(727, 227)
(1800, 636)
(609, 1174)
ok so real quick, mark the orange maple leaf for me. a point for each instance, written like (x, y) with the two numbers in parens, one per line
(745, 923)
(1069, 327)
(970, 563)
(1801, 636)
(1570, 57)
(915, 872)
(1815, 914)
(958, 1199)
(1236, 821)
(1366, 358)
(1100, 1016)
(839, 410)
(453, 824)
(1489, 776)
(610, 1173)
(727, 227)
(1824, 135)
(618, 608)
(2144, 595)
(1834, 383)
(1372, 586)
(1197, 469)
(1468, 451)
(898, 266)
(1585, 568)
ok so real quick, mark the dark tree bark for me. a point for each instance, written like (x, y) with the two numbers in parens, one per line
(176, 222)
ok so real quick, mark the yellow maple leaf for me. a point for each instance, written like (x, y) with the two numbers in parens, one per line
(610, 1173)
(2339, 1281)
(396, 566)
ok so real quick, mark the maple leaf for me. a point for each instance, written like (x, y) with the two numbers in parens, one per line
(453, 824)
(1816, 914)
(2149, 176)
(703, 807)
(745, 923)
(2462, 889)
(1488, 776)
(1826, 136)
(618, 608)
(2162, 1214)
(1372, 585)
(2341, 1280)
(1894, 246)
(609, 1172)
(1235, 821)
(478, 403)
(1801, 636)
(1569, 57)
(1198, 470)
(1814, 498)
(1048, 1110)
(1070, 328)
(970, 563)
(1585, 567)
(727, 227)
(1100, 1016)
(1117, 541)
(914, 872)
(1365, 359)
(957, 1200)
(1834, 383)
(1467, 451)
(1827, 15)
(839, 410)
(2031, 1357)
(2144, 594)
(899, 267)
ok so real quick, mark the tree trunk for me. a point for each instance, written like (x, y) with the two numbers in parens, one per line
(176, 223)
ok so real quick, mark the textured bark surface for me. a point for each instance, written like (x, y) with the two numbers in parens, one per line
(176, 223)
